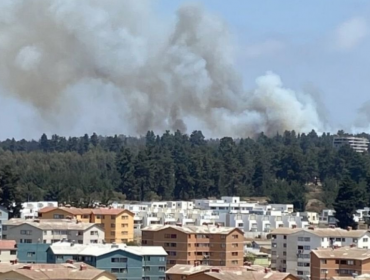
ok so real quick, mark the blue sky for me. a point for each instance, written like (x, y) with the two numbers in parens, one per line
(317, 44)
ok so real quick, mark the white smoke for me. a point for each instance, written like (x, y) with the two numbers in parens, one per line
(113, 67)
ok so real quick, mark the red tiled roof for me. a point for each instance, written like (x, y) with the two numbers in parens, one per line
(7, 244)
(110, 211)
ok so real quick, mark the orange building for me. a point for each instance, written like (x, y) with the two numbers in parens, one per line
(190, 272)
(333, 262)
(118, 223)
(205, 245)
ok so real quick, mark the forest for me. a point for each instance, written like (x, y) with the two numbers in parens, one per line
(177, 166)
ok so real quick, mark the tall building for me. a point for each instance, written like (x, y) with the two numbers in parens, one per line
(290, 248)
(118, 223)
(358, 144)
(126, 262)
(204, 245)
(339, 261)
(51, 231)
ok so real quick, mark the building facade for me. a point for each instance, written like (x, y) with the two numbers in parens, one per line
(206, 245)
(118, 223)
(8, 250)
(126, 262)
(290, 248)
(4, 216)
(359, 144)
(30, 210)
(340, 261)
(51, 231)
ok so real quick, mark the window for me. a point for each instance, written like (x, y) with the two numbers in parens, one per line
(234, 245)
(323, 271)
(98, 216)
(169, 244)
(306, 247)
(26, 232)
(354, 240)
(113, 217)
(13, 252)
(235, 236)
(119, 260)
(161, 269)
(119, 270)
(93, 232)
(30, 254)
(146, 278)
(147, 258)
(124, 225)
(125, 217)
(284, 245)
(284, 236)
(85, 216)
(124, 232)
(365, 240)
(112, 233)
(323, 261)
(58, 216)
(5, 227)
(234, 253)
(161, 259)
(172, 236)
(113, 225)
(234, 262)
(93, 241)
(172, 253)
(171, 262)
(26, 241)
(350, 262)
(146, 268)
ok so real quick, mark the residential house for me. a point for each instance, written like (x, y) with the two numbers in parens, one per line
(66, 271)
(191, 272)
(126, 262)
(80, 214)
(339, 262)
(206, 245)
(32, 252)
(290, 248)
(8, 250)
(50, 231)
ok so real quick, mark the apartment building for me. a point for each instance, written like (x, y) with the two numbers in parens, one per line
(51, 231)
(327, 263)
(118, 223)
(290, 248)
(190, 272)
(4, 216)
(207, 245)
(66, 271)
(359, 144)
(30, 210)
(125, 262)
(8, 250)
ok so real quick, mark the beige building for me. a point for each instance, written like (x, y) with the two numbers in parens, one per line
(8, 250)
(76, 271)
(51, 231)
(204, 245)
(118, 224)
(327, 263)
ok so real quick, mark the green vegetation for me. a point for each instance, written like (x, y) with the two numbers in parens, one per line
(177, 166)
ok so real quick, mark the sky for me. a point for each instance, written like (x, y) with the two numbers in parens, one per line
(321, 45)
(62, 72)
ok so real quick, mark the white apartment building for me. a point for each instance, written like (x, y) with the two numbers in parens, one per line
(327, 218)
(51, 231)
(30, 209)
(358, 144)
(290, 248)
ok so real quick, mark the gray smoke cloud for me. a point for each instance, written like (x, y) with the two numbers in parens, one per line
(73, 67)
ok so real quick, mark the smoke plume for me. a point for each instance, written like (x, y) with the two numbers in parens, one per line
(73, 67)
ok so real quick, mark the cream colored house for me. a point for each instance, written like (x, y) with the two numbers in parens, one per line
(8, 250)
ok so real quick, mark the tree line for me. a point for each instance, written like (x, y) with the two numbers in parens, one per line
(176, 166)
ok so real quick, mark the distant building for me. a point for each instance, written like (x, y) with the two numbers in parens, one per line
(126, 262)
(205, 245)
(191, 272)
(51, 231)
(290, 248)
(118, 223)
(30, 209)
(358, 144)
(32, 252)
(343, 262)
(66, 271)
(4, 216)
(8, 250)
